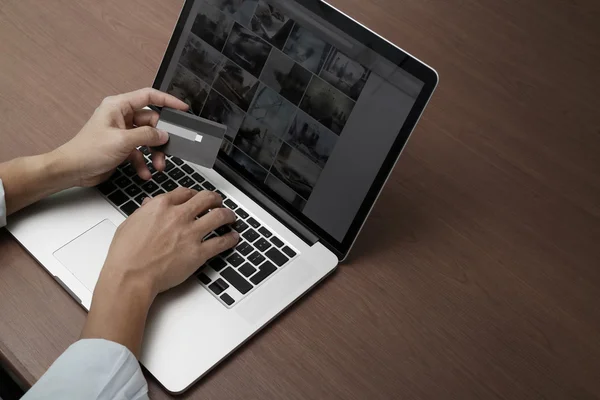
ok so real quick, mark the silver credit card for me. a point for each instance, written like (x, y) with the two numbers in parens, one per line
(191, 138)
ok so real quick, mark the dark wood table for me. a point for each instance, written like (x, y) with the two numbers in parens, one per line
(478, 273)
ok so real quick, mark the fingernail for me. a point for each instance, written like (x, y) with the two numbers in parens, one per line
(236, 235)
(164, 135)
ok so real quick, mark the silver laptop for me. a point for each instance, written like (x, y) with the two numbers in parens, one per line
(318, 109)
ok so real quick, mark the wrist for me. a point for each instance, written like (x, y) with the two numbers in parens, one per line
(59, 171)
(119, 309)
(122, 284)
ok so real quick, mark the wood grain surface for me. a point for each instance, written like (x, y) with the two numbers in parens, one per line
(477, 275)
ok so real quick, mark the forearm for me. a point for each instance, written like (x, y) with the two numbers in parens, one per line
(29, 179)
(119, 310)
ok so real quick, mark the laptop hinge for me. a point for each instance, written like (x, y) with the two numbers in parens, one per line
(282, 216)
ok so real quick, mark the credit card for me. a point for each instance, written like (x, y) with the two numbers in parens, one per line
(191, 138)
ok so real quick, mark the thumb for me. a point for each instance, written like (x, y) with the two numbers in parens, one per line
(146, 136)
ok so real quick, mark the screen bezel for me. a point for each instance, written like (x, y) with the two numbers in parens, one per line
(404, 60)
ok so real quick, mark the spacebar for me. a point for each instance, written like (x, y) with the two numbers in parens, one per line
(236, 280)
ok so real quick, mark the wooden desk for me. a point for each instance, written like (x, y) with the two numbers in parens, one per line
(478, 274)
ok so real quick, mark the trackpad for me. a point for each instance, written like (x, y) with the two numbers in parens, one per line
(84, 256)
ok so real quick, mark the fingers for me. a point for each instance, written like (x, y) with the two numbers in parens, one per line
(146, 136)
(219, 244)
(150, 118)
(180, 195)
(158, 160)
(139, 163)
(202, 202)
(148, 96)
(146, 118)
(216, 218)
(146, 200)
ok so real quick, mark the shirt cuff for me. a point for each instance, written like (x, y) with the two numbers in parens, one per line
(2, 206)
(92, 369)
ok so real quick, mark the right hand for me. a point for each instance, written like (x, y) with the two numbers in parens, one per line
(119, 125)
(161, 244)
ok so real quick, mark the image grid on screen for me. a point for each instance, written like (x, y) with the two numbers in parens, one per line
(284, 94)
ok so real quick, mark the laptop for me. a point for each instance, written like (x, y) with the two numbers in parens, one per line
(318, 109)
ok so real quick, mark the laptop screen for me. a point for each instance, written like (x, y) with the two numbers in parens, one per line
(312, 112)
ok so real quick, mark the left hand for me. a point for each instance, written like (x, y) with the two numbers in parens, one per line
(113, 133)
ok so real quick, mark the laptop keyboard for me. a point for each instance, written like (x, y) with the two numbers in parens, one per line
(231, 275)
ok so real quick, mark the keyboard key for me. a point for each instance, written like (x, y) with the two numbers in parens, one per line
(253, 223)
(290, 253)
(187, 169)
(176, 160)
(277, 257)
(169, 185)
(106, 188)
(227, 299)
(122, 182)
(222, 230)
(169, 165)
(176, 173)
(263, 272)
(256, 258)
(236, 260)
(150, 187)
(129, 207)
(137, 180)
(208, 186)
(145, 150)
(219, 286)
(236, 280)
(224, 285)
(262, 244)
(251, 235)
(226, 253)
(129, 170)
(247, 270)
(230, 204)
(151, 167)
(203, 278)
(118, 198)
(241, 213)
(217, 263)
(160, 177)
(276, 241)
(198, 188)
(223, 196)
(133, 190)
(186, 181)
(265, 232)
(158, 193)
(198, 178)
(140, 198)
(240, 226)
(244, 248)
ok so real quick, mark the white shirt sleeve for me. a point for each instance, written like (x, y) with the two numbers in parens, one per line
(2, 206)
(93, 369)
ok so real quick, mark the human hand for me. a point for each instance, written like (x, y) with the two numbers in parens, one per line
(161, 243)
(158, 247)
(117, 127)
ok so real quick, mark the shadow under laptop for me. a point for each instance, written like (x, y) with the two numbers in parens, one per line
(395, 221)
